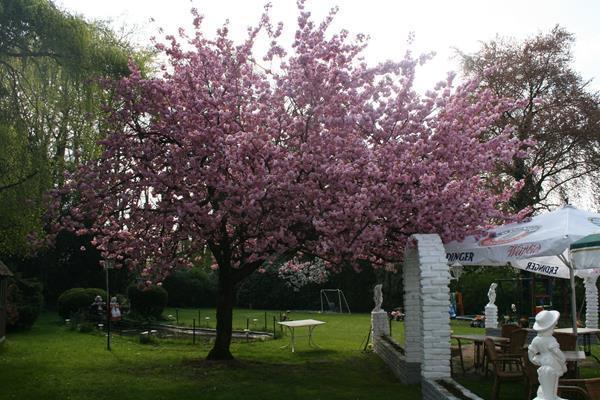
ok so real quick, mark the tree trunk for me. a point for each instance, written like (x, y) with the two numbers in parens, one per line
(225, 298)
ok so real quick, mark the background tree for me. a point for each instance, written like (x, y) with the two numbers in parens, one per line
(319, 155)
(51, 118)
(560, 113)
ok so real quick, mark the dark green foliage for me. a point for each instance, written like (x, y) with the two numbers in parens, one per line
(475, 282)
(66, 266)
(24, 303)
(191, 288)
(78, 300)
(86, 327)
(268, 291)
(148, 302)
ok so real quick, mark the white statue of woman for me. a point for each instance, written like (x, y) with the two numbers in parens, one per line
(377, 297)
(492, 294)
(545, 352)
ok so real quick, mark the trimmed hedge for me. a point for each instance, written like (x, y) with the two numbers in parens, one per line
(77, 300)
(148, 302)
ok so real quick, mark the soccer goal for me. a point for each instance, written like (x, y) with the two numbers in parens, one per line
(328, 301)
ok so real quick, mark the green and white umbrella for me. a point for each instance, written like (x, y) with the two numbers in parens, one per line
(585, 252)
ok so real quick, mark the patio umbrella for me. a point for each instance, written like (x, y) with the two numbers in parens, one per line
(585, 253)
(539, 244)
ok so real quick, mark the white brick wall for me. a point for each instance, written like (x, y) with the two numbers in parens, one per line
(426, 300)
(412, 306)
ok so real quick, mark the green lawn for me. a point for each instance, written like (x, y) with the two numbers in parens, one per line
(53, 362)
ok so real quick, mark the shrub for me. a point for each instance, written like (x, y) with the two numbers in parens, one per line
(78, 300)
(148, 302)
(86, 327)
(24, 303)
(191, 288)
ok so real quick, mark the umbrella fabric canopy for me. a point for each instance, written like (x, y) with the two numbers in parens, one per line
(547, 234)
(585, 253)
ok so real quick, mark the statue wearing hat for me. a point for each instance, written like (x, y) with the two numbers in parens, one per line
(545, 352)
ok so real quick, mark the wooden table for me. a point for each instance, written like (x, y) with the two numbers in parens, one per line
(586, 333)
(292, 325)
(478, 341)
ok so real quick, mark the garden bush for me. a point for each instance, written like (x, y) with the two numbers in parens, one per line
(78, 300)
(194, 287)
(148, 302)
(24, 303)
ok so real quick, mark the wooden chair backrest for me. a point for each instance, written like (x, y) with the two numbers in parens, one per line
(566, 341)
(490, 351)
(507, 329)
(592, 386)
(517, 341)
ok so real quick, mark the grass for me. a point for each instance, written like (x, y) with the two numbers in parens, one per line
(53, 362)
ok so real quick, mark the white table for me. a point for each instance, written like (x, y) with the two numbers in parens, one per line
(311, 324)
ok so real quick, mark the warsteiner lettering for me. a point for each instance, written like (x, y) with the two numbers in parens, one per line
(524, 249)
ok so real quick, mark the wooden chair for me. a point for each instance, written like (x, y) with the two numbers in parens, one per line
(531, 377)
(568, 342)
(507, 329)
(498, 362)
(587, 389)
(518, 338)
(514, 348)
(506, 332)
(456, 351)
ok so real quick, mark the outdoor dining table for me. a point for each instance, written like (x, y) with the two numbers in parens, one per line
(478, 341)
(586, 333)
(292, 325)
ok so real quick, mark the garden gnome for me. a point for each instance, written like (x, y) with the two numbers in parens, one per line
(545, 352)
(492, 294)
(377, 297)
(97, 304)
(115, 310)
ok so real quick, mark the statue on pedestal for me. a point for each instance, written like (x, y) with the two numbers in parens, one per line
(492, 294)
(377, 297)
(545, 352)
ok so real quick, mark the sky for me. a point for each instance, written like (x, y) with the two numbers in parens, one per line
(439, 26)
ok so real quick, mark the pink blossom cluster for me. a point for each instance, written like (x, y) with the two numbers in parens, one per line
(322, 156)
(297, 274)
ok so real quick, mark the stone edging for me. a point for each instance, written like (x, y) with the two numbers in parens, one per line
(432, 390)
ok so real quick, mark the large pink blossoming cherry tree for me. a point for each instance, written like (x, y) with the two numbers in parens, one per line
(306, 153)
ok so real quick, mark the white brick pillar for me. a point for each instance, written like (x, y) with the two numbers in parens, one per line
(427, 300)
(591, 301)
(435, 302)
(411, 276)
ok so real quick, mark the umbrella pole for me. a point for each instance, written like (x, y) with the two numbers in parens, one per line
(573, 305)
(573, 299)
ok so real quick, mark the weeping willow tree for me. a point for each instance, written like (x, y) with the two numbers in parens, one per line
(50, 105)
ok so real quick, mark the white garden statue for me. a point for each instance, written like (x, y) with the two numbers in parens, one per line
(377, 297)
(492, 294)
(545, 352)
